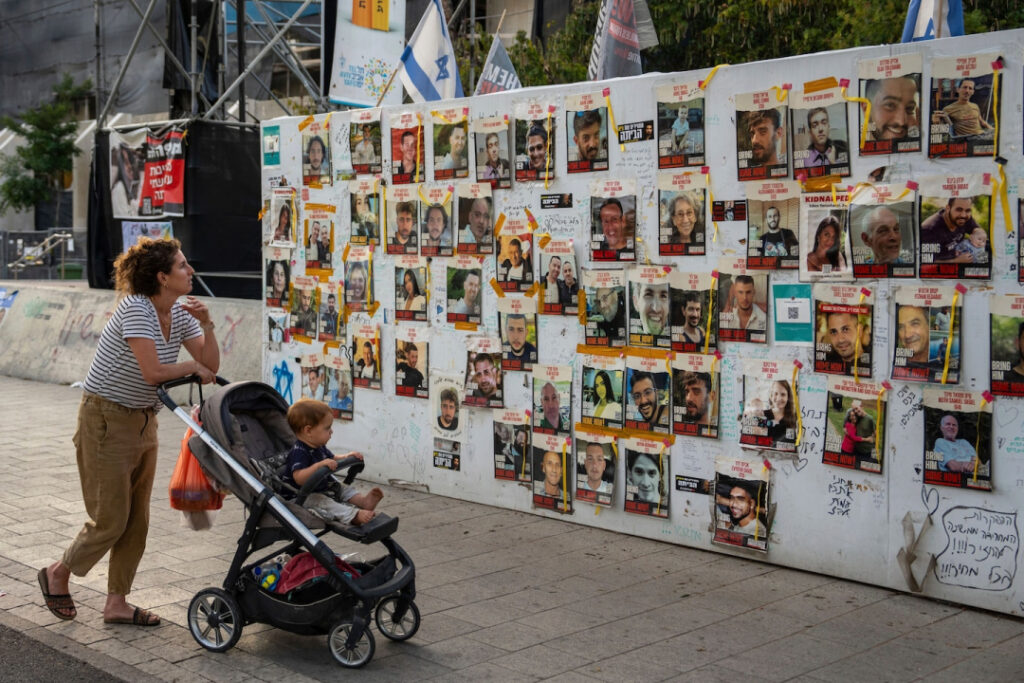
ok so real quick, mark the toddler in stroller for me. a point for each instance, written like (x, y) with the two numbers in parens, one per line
(312, 422)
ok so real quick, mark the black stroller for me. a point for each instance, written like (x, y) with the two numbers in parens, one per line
(243, 444)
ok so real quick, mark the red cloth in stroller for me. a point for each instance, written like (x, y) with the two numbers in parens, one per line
(304, 568)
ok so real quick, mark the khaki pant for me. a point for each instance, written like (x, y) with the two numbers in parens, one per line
(116, 449)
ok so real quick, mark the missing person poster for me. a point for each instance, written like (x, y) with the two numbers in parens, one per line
(364, 211)
(595, 467)
(743, 302)
(882, 222)
(927, 335)
(956, 227)
(586, 119)
(855, 424)
(319, 238)
(552, 399)
(648, 391)
(552, 465)
(742, 502)
(535, 141)
(843, 324)
(407, 147)
(694, 313)
(1006, 313)
(316, 152)
(695, 395)
(821, 133)
(560, 289)
(278, 269)
(359, 278)
(514, 260)
(512, 444)
(963, 100)
(680, 125)
(412, 360)
(475, 218)
(403, 219)
(463, 292)
(437, 232)
(340, 395)
(647, 476)
(761, 144)
(147, 173)
(957, 438)
(825, 238)
(411, 291)
(604, 389)
(448, 420)
(769, 418)
(605, 296)
(305, 306)
(332, 322)
(364, 140)
(773, 225)
(682, 212)
(280, 221)
(893, 86)
(277, 329)
(492, 152)
(613, 220)
(517, 322)
(451, 143)
(366, 354)
(314, 377)
(484, 379)
(650, 321)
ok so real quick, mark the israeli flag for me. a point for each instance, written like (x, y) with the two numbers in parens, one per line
(928, 19)
(429, 70)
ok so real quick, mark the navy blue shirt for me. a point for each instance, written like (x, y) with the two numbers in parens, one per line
(302, 456)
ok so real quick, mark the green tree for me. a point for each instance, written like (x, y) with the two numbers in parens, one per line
(35, 172)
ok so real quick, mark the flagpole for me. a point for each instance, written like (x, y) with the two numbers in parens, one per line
(500, 22)
(938, 25)
(387, 86)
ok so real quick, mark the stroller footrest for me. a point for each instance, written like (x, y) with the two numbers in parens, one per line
(377, 528)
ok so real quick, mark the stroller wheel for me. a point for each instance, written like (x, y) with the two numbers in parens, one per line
(358, 654)
(215, 619)
(398, 618)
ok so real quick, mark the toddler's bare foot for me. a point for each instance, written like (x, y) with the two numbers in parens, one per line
(363, 516)
(373, 497)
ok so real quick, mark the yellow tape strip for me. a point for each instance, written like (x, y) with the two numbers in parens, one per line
(949, 338)
(305, 123)
(498, 223)
(867, 114)
(796, 405)
(611, 118)
(472, 327)
(533, 289)
(497, 288)
(780, 93)
(547, 152)
(294, 219)
(880, 424)
(999, 187)
(581, 311)
(661, 468)
(711, 74)
(565, 477)
(711, 307)
(856, 344)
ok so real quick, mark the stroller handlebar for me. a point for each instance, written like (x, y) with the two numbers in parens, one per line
(161, 391)
(354, 465)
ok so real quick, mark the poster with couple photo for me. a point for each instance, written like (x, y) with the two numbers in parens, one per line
(475, 218)
(682, 213)
(892, 85)
(492, 152)
(742, 504)
(451, 143)
(560, 287)
(956, 227)
(762, 148)
(305, 299)
(648, 392)
(484, 379)
(552, 467)
(448, 420)
(412, 360)
(364, 211)
(963, 113)
(927, 335)
(855, 424)
(743, 302)
(411, 291)
(773, 225)
(680, 125)
(821, 133)
(1006, 314)
(770, 417)
(647, 476)
(535, 141)
(596, 456)
(826, 253)
(552, 399)
(613, 220)
(365, 350)
(318, 238)
(364, 139)
(603, 386)
(650, 321)
(958, 438)
(882, 226)
(605, 295)
(316, 152)
(695, 395)
(437, 232)
(843, 325)
(407, 147)
(694, 313)
(586, 119)
(511, 445)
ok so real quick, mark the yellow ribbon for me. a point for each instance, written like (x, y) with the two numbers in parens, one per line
(867, 114)
(711, 307)
(292, 206)
(369, 277)
(859, 187)
(856, 345)
(547, 151)
(880, 424)
(647, 257)
(611, 116)
(376, 348)
(419, 144)
(796, 405)
(581, 310)
(999, 188)
(780, 93)
(949, 338)
(711, 74)
(757, 507)
(995, 108)
(565, 478)
(711, 200)
(661, 469)
(977, 438)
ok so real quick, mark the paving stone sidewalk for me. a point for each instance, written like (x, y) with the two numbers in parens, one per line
(505, 596)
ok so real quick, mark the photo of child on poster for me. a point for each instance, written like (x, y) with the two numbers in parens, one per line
(552, 459)
(587, 150)
(680, 125)
(957, 438)
(277, 329)
(605, 295)
(647, 470)
(842, 330)
(1007, 345)
(742, 502)
(595, 468)
(855, 425)
(511, 445)
(695, 395)
(893, 86)
(926, 328)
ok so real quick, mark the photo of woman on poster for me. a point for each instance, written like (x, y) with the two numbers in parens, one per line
(278, 280)
(826, 253)
(684, 218)
(769, 416)
(410, 297)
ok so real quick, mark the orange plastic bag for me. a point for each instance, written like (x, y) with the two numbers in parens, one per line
(190, 490)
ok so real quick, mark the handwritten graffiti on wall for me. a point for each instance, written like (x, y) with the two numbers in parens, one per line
(981, 549)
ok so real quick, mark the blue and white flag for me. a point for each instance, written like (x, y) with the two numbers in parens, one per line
(928, 19)
(429, 70)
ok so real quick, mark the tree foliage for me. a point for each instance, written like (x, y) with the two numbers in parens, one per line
(35, 173)
(698, 34)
